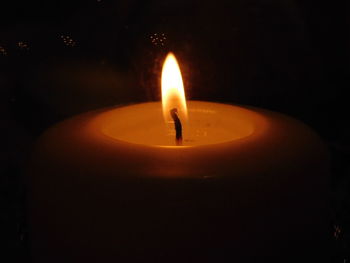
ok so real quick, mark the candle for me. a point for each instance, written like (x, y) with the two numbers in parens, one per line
(118, 185)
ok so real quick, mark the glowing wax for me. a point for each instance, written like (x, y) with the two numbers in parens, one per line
(248, 185)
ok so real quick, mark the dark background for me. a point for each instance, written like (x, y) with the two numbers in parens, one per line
(61, 58)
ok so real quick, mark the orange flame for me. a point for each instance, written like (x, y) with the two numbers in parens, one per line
(173, 93)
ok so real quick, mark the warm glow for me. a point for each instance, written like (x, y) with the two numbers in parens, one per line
(173, 93)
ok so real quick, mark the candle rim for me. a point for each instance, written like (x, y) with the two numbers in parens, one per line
(260, 126)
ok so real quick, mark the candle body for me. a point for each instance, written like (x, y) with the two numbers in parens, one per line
(96, 195)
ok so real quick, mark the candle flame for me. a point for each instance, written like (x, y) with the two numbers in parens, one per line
(173, 93)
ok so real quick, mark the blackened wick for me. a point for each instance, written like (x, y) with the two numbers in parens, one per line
(178, 126)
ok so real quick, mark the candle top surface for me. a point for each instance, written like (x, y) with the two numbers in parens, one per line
(207, 124)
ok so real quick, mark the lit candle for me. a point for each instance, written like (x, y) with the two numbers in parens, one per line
(118, 185)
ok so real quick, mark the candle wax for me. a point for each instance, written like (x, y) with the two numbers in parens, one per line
(248, 185)
(207, 123)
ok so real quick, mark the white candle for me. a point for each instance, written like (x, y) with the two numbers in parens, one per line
(247, 185)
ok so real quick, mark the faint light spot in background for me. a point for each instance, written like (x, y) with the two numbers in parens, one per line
(22, 45)
(68, 41)
(337, 232)
(158, 39)
(3, 51)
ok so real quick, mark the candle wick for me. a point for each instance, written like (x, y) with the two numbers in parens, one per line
(178, 126)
